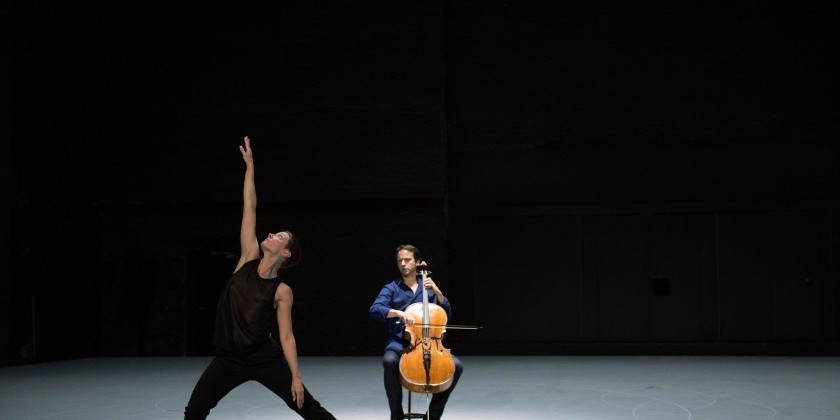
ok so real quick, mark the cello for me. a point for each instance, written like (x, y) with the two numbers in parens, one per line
(426, 366)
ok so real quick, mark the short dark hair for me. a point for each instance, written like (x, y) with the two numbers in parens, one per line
(413, 249)
(294, 248)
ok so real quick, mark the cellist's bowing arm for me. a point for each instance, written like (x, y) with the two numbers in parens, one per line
(381, 308)
(405, 318)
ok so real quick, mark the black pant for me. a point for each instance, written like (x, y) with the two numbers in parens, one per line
(266, 366)
(393, 388)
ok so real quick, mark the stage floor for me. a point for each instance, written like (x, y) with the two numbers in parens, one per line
(509, 388)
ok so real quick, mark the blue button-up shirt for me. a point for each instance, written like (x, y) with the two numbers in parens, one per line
(396, 295)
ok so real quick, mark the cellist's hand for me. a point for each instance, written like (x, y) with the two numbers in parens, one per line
(406, 319)
(430, 285)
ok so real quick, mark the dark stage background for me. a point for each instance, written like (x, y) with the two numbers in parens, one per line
(584, 177)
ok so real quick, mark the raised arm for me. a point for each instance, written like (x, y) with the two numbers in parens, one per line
(249, 246)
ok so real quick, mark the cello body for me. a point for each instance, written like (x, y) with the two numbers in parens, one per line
(426, 366)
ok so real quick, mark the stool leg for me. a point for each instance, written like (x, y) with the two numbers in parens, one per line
(411, 415)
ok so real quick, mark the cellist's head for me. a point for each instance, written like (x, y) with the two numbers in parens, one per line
(408, 256)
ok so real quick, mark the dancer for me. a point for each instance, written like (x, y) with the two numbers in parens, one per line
(253, 335)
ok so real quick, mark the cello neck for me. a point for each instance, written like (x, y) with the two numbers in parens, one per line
(423, 274)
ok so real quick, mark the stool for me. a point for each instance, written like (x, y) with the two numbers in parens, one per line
(410, 415)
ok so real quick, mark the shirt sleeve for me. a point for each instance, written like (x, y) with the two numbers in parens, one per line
(446, 307)
(382, 304)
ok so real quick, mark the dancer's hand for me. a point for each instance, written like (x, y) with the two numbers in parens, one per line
(297, 392)
(246, 151)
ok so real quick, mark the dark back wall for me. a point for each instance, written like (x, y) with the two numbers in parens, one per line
(584, 177)
(5, 186)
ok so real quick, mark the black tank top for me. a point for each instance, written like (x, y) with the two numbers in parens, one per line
(245, 315)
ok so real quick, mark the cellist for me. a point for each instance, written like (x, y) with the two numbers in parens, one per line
(388, 307)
